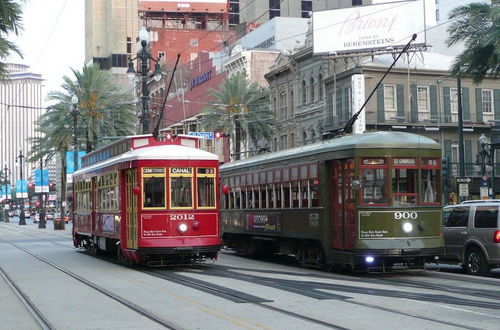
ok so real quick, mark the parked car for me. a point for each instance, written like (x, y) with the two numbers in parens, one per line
(472, 235)
(35, 217)
(49, 216)
(57, 217)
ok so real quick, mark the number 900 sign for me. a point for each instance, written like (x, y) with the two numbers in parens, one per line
(405, 215)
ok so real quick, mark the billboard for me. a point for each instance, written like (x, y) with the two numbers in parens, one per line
(366, 28)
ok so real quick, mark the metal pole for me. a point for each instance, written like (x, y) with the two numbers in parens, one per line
(75, 141)
(492, 179)
(41, 221)
(145, 90)
(461, 151)
(5, 182)
(22, 220)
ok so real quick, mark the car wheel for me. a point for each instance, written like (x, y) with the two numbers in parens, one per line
(475, 262)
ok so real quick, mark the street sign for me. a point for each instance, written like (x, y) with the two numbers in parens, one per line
(464, 180)
(205, 135)
(463, 189)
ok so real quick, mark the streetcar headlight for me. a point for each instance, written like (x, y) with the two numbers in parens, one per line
(369, 259)
(183, 227)
(407, 227)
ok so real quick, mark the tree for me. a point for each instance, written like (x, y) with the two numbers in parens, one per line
(478, 25)
(240, 108)
(10, 21)
(104, 111)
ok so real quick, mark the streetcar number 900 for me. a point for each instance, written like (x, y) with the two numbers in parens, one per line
(405, 215)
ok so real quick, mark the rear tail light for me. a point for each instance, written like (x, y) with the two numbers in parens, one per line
(496, 237)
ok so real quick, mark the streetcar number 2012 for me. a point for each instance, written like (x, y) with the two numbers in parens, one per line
(182, 216)
(405, 215)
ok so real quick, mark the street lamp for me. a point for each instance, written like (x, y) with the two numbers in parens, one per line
(4, 182)
(74, 112)
(144, 56)
(22, 220)
(483, 160)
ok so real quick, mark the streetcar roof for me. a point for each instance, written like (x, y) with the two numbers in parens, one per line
(160, 152)
(370, 140)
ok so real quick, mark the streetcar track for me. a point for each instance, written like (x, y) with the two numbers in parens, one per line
(240, 297)
(37, 315)
(220, 291)
(121, 300)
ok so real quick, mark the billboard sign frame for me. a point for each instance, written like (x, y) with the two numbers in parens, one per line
(368, 28)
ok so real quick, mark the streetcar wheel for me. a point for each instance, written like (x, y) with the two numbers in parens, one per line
(475, 262)
(119, 255)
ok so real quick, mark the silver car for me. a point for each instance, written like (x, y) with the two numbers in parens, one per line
(472, 235)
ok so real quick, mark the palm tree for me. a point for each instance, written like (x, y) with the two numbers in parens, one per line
(241, 107)
(103, 111)
(10, 21)
(478, 25)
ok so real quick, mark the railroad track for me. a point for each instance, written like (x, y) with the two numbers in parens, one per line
(127, 303)
(36, 314)
(310, 289)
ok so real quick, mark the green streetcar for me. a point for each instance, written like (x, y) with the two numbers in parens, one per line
(367, 201)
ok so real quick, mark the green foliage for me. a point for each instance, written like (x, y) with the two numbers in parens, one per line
(10, 22)
(478, 25)
(240, 108)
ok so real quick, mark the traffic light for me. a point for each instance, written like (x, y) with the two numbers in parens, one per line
(445, 167)
(218, 135)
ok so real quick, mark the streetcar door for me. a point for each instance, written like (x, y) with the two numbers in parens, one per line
(343, 215)
(131, 208)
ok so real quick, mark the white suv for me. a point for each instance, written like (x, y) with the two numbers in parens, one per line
(472, 235)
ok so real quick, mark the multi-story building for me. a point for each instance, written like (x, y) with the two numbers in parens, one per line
(111, 29)
(20, 107)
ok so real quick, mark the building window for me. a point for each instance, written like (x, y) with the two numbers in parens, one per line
(311, 86)
(283, 110)
(487, 100)
(274, 8)
(304, 138)
(304, 92)
(357, 2)
(129, 45)
(234, 12)
(437, 15)
(306, 9)
(454, 100)
(283, 142)
(423, 98)
(320, 86)
(390, 97)
(291, 102)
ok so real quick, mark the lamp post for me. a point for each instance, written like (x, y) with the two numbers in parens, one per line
(4, 182)
(74, 112)
(22, 220)
(144, 56)
(483, 158)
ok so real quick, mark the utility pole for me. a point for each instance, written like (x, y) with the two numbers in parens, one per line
(22, 220)
(41, 222)
(461, 149)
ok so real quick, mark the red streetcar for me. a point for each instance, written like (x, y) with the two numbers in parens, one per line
(151, 202)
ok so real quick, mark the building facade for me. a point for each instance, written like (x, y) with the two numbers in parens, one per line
(20, 107)
(111, 29)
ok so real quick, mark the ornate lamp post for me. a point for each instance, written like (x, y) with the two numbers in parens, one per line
(483, 160)
(144, 56)
(22, 220)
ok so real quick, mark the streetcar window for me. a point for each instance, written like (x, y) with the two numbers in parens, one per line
(374, 186)
(154, 192)
(430, 180)
(181, 191)
(404, 187)
(206, 192)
